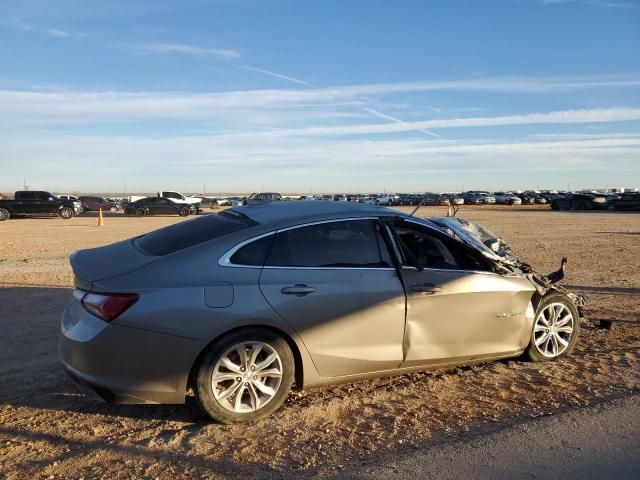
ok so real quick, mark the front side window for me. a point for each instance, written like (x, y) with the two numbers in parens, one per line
(423, 248)
(351, 243)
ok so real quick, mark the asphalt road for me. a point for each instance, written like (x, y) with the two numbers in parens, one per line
(590, 443)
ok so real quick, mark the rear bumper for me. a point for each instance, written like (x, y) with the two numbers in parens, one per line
(122, 364)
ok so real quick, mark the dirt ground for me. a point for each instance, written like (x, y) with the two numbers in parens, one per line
(48, 430)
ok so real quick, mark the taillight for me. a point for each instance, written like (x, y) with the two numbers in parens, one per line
(108, 306)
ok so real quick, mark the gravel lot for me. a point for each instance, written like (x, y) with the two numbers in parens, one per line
(48, 430)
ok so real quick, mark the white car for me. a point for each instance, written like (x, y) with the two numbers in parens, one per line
(68, 197)
(506, 198)
(177, 197)
(478, 197)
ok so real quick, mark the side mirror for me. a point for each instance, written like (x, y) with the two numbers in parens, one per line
(51, 199)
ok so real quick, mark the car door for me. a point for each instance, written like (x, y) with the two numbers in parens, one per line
(24, 202)
(167, 207)
(45, 203)
(335, 284)
(456, 309)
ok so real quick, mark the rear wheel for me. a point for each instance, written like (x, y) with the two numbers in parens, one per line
(555, 329)
(140, 212)
(244, 376)
(66, 213)
(4, 214)
(184, 211)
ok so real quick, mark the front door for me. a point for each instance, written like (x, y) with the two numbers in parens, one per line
(454, 309)
(335, 284)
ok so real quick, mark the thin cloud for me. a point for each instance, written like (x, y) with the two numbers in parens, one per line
(185, 49)
(598, 3)
(17, 24)
(597, 115)
(384, 116)
(275, 75)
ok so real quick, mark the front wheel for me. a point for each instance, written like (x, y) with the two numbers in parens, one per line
(244, 376)
(184, 211)
(555, 329)
(66, 213)
(113, 209)
(4, 214)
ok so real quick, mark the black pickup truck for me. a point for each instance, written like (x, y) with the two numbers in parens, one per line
(37, 204)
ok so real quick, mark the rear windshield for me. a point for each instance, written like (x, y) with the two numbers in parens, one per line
(192, 232)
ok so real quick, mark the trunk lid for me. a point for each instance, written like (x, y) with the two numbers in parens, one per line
(94, 264)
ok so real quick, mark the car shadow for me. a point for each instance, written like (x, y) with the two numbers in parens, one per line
(618, 233)
(604, 290)
(31, 374)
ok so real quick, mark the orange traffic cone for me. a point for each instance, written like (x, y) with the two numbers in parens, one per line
(100, 220)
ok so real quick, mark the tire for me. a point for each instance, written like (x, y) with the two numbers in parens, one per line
(545, 325)
(66, 213)
(247, 408)
(4, 214)
(113, 210)
(141, 212)
(184, 211)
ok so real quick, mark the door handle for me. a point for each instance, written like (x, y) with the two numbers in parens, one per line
(299, 290)
(429, 288)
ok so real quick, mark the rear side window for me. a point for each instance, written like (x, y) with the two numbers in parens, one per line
(192, 232)
(353, 243)
(254, 253)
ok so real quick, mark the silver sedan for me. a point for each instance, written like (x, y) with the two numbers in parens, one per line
(242, 305)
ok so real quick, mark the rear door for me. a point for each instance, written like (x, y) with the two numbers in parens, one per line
(25, 202)
(456, 309)
(335, 284)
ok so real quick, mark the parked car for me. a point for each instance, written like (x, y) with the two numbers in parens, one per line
(525, 199)
(178, 197)
(580, 201)
(625, 201)
(159, 206)
(265, 197)
(67, 197)
(93, 204)
(537, 198)
(476, 197)
(507, 198)
(454, 198)
(206, 201)
(37, 203)
(237, 305)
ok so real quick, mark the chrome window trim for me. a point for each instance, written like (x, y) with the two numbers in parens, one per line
(225, 259)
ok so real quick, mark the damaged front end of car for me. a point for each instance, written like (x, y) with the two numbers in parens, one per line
(500, 255)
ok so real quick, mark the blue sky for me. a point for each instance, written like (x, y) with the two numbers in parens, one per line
(301, 95)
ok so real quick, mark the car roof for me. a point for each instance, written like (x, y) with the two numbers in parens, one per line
(267, 213)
